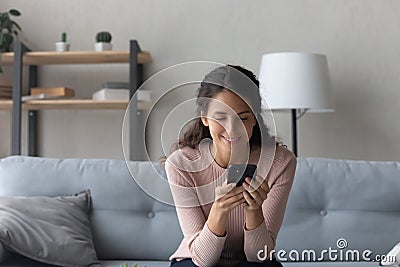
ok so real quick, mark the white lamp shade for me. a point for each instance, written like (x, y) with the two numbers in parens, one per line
(290, 80)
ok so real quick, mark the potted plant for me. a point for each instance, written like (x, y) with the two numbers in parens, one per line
(103, 41)
(8, 30)
(126, 265)
(63, 45)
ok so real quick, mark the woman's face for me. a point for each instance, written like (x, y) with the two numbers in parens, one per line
(230, 121)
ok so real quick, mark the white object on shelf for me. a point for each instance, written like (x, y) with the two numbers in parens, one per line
(62, 46)
(103, 46)
(120, 94)
(39, 96)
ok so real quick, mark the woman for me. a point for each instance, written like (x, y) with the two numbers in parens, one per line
(228, 225)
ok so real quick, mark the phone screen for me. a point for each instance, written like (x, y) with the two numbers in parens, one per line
(237, 173)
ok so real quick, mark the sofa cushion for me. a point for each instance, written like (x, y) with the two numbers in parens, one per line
(393, 257)
(345, 205)
(52, 230)
(131, 263)
(285, 264)
(330, 264)
(330, 199)
(127, 222)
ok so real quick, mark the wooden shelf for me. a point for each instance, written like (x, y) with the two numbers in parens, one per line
(75, 57)
(65, 104)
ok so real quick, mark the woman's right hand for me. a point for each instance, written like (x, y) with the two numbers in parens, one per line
(221, 208)
(228, 197)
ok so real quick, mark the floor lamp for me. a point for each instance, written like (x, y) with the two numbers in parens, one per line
(298, 82)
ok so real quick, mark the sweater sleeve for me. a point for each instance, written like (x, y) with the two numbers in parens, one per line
(205, 247)
(273, 208)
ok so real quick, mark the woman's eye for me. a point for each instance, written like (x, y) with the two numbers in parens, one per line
(219, 119)
(243, 119)
(223, 118)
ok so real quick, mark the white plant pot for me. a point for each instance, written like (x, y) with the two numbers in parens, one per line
(103, 46)
(62, 47)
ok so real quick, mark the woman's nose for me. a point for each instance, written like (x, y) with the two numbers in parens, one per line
(235, 127)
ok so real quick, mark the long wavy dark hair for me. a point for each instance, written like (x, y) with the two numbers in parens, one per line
(226, 78)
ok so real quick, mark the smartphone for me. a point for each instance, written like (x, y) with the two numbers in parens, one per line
(237, 173)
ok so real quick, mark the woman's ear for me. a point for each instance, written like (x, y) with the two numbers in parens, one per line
(204, 120)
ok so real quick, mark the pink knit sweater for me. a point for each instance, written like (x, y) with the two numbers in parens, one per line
(193, 175)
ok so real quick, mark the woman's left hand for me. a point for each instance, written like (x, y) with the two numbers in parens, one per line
(256, 192)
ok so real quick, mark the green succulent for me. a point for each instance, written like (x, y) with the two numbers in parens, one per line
(64, 37)
(126, 265)
(103, 37)
(8, 30)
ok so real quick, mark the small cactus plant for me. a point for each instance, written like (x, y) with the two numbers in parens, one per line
(103, 37)
(64, 37)
(126, 265)
(62, 45)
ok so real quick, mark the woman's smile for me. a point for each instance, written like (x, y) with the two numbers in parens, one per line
(232, 140)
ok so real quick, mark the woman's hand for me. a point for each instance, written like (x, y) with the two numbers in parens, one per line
(256, 192)
(227, 201)
(221, 208)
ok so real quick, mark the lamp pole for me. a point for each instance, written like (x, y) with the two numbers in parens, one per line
(294, 131)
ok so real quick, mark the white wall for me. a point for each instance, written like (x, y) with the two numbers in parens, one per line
(361, 39)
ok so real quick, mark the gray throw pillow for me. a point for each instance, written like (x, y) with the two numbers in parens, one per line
(54, 230)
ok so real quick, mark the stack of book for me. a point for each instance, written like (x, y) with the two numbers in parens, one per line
(119, 91)
(5, 90)
(49, 93)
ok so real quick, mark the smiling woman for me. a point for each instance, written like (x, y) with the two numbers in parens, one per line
(228, 229)
(231, 125)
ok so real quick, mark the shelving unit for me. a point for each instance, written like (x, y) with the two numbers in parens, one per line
(64, 104)
(23, 56)
(75, 57)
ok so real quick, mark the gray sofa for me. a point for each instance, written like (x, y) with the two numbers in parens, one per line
(355, 202)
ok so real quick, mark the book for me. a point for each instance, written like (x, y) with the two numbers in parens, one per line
(5, 92)
(5, 83)
(115, 85)
(5, 95)
(39, 97)
(120, 94)
(5, 89)
(55, 91)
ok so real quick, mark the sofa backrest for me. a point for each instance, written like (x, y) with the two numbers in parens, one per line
(358, 201)
(126, 222)
(353, 205)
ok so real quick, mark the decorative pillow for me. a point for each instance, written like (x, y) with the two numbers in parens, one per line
(393, 257)
(53, 230)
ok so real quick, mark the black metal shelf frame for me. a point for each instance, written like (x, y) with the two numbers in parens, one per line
(136, 150)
